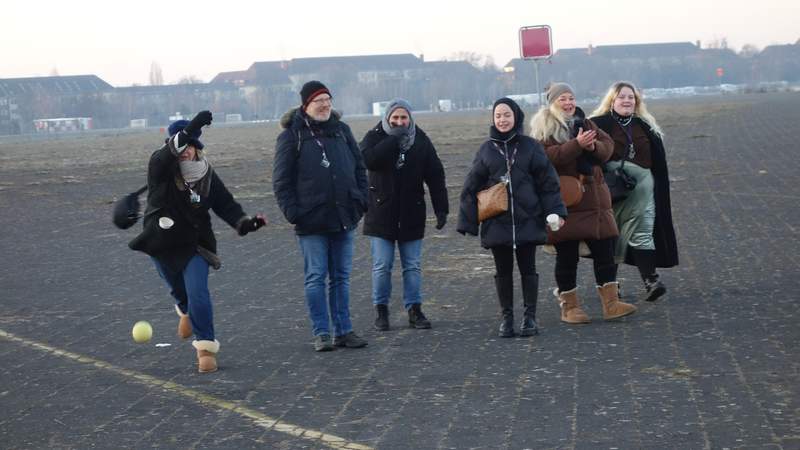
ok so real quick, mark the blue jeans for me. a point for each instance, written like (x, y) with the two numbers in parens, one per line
(328, 256)
(382, 263)
(190, 290)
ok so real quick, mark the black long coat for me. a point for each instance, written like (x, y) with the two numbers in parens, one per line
(314, 198)
(167, 197)
(663, 230)
(397, 209)
(536, 193)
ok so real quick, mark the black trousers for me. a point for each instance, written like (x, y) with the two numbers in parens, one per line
(605, 270)
(504, 260)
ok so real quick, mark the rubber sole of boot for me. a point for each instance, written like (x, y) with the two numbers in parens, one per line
(419, 326)
(506, 334)
(619, 315)
(529, 333)
(381, 327)
(577, 322)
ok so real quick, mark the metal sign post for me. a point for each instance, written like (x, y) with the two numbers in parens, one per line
(535, 43)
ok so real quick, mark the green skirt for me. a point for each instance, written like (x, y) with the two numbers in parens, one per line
(636, 214)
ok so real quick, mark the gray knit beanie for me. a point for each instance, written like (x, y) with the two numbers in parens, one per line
(555, 91)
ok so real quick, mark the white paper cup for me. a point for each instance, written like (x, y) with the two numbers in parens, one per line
(553, 222)
(165, 223)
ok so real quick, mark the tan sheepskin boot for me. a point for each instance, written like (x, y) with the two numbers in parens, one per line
(184, 324)
(613, 308)
(571, 311)
(206, 355)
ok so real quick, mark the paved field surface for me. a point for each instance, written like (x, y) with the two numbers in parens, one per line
(713, 365)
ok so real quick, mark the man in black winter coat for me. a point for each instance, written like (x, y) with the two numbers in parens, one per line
(400, 158)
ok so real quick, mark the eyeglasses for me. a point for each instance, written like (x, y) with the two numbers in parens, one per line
(322, 101)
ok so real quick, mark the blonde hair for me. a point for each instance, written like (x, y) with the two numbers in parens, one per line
(549, 122)
(640, 110)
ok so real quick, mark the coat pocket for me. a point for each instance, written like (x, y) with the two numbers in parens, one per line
(162, 233)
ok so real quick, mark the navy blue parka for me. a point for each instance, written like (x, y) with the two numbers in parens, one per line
(314, 198)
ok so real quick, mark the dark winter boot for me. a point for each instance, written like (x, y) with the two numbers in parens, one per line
(646, 263)
(505, 295)
(382, 320)
(530, 295)
(416, 319)
(654, 287)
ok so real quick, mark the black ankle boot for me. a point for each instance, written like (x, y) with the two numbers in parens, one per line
(530, 295)
(382, 321)
(506, 329)
(654, 287)
(505, 295)
(416, 319)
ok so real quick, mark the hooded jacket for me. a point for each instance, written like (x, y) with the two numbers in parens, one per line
(315, 198)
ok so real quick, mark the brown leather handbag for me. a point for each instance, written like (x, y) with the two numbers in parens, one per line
(571, 189)
(492, 201)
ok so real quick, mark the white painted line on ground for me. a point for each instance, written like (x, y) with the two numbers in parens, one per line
(206, 400)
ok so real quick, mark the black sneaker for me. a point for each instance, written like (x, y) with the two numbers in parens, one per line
(349, 340)
(416, 319)
(655, 289)
(322, 343)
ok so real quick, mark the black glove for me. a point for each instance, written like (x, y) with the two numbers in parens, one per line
(252, 224)
(441, 219)
(180, 141)
(202, 119)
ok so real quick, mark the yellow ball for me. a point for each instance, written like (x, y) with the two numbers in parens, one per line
(142, 332)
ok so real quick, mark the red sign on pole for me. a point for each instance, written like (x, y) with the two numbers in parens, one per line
(720, 72)
(535, 42)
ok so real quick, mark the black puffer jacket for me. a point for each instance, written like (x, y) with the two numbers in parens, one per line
(167, 197)
(536, 193)
(314, 198)
(397, 209)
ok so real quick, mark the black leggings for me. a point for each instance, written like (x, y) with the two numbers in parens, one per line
(605, 270)
(504, 260)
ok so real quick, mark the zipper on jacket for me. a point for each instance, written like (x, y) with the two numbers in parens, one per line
(511, 200)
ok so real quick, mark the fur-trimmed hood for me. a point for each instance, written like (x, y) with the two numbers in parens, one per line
(287, 119)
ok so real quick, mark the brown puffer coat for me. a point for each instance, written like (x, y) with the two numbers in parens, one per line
(592, 218)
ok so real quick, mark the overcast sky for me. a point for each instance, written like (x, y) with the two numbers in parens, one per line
(119, 40)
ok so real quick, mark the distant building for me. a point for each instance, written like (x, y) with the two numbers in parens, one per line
(24, 99)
